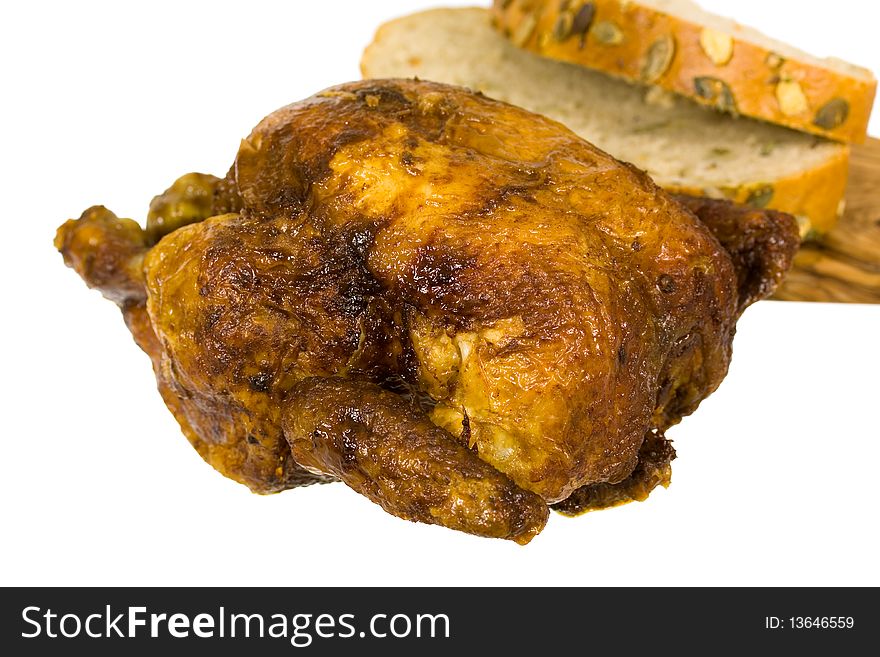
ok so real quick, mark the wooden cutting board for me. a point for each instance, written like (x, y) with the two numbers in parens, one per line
(845, 267)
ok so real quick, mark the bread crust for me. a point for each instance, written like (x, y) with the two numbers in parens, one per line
(814, 196)
(639, 43)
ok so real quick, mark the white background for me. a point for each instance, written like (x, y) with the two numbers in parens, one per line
(777, 476)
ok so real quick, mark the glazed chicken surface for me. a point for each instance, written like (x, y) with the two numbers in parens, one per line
(456, 307)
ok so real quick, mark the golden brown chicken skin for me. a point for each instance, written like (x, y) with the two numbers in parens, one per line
(458, 308)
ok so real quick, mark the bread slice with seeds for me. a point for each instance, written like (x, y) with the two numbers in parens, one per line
(684, 147)
(677, 46)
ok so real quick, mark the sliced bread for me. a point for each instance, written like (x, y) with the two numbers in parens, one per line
(679, 47)
(684, 147)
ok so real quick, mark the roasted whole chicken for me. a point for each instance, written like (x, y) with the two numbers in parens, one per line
(458, 308)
